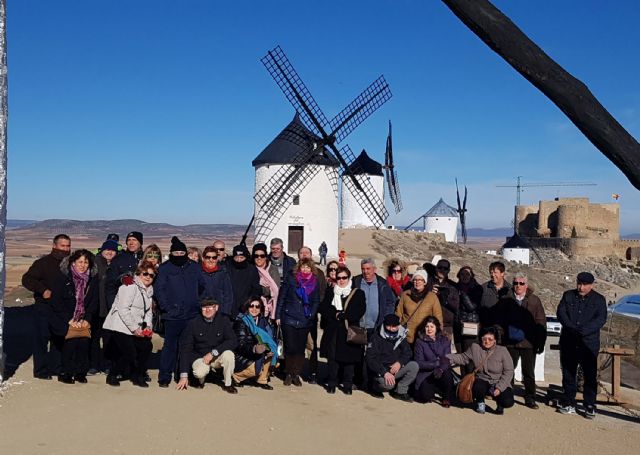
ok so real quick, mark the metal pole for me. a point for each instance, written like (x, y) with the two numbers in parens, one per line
(4, 111)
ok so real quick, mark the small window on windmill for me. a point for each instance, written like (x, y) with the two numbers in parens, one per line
(296, 199)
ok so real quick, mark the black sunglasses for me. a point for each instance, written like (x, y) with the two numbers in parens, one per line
(211, 257)
(152, 275)
(255, 305)
(519, 283)
(342, 277)
(259, 255)
(219, 249)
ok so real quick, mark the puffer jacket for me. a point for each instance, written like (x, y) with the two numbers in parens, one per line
(497, 370)
(246, 342)
(428, 354)
(131, 308)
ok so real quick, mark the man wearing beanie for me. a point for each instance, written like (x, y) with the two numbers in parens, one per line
(123, 266)
(389, 360)
(245, 279)
(177, 289)
(582, 313)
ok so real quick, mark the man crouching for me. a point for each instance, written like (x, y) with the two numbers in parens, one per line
(207, 344)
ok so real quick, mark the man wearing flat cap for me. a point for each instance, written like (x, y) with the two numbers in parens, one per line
(582, 313)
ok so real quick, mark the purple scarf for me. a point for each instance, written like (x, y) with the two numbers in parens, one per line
(306, 285)
(80, 281)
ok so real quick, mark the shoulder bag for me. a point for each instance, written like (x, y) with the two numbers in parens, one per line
(464, 391)
(355, 333)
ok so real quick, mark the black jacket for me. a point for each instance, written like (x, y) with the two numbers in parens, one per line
(201, 337)
(581, 319)
(63, 301)
(334, 344)
(245, 283)
(103, 269)
(288, 264)
(177, 290)
(290, 309)
(43, 274)
(489, 314)
(382, 352)
(386, 298)
(246, 342)
(217, 285)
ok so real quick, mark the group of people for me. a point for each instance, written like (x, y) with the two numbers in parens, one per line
(254, 314)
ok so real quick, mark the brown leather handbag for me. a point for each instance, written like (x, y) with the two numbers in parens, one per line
(82, 332)
(465, 387)
(355, 333)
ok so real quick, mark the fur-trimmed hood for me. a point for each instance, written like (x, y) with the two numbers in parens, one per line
(65, 266)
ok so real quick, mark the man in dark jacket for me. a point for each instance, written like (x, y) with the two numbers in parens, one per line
(492, 291)
(245, 279)
(449, 297)
(217, 280)
(206, 344)
(279, 258)
(389, 360)
(123, 266)
(40, 279)
(177, 290)
(582, 313)
(525, 331)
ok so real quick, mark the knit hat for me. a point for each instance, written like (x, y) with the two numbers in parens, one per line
(109, 245)
(115, 237)
(422, 274)
(136, 235)
(241, 250)
(177, 245)
(258, 247)
(391, 320)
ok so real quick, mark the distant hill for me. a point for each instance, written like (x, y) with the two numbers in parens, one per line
(495, 232)
(631, 237)
(14, 224)
(122, 227)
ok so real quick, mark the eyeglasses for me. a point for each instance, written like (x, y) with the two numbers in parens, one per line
(153, 255)
(178, 253)
(446, 269)
(418, 280)
(333, 269)
(259, 255)
(488, 339)
(397, 270)
(211, 257)
(519, 283)
(150, 275)
(343, 277)
(255, 305)
(219, 249)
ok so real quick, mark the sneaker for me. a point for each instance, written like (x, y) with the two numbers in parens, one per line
(567, 410)
(590, 412)
(481, 408)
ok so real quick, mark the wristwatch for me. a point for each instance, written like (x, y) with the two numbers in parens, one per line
(215, 353)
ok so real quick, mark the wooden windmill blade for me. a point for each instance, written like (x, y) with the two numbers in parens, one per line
(391, 175)
(462, 209)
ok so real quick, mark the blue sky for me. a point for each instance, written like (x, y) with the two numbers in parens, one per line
(154, 109)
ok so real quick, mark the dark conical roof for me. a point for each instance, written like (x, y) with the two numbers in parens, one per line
(364, 164)
(293, 139)
(442, 209)
(515, 241)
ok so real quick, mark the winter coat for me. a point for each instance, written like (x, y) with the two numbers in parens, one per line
(449, 298)
(63, 298)
(177, 290)
(428, 354)
(131, 308)
(430, 306)
(246, 342)
(245, 283)
(290, 310)
(383, 351)
(125, 263)
(44, 274)
(581, 319)
(103, 268)
(217, 286)
(490, 296)
(526, 319)
(334, 345)
(386, 297)
(288, 265)
(200, 337)
(470, 298)
(497, 370)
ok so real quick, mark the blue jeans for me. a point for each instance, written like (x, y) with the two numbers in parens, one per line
(169, 355)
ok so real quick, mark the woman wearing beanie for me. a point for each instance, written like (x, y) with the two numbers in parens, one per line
(297, 306)
(416, 304)
(342, 306)
(269, 279)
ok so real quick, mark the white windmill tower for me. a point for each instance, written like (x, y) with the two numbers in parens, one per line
(444, 219)
(352, 213)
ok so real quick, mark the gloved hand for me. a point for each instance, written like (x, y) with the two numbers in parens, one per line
(259, 348)
(127, 280)
(437, 373)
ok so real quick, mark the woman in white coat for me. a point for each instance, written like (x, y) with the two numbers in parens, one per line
(128, 328)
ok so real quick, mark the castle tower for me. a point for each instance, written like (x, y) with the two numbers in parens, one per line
(312, 216)
(444, 219)
(352, 213)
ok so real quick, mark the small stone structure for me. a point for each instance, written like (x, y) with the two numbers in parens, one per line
(574, 226)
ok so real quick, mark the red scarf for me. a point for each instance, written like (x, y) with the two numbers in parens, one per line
(396, 285)
(209, 269)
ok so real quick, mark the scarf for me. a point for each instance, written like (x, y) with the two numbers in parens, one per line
(80, 281)
(263, 337)
(59, 254)
(417, 296)
(397, 285)
(270, 303)
(340, 293)
(306, 285)
(209, 269)
(178, 261)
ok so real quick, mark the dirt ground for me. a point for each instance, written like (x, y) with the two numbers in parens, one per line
(48, 417)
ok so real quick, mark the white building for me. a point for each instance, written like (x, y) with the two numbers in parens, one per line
(312, 216)
(516, 250)
(442, 218)
(352, 213)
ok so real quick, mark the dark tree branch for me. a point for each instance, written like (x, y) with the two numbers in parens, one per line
(568, 93)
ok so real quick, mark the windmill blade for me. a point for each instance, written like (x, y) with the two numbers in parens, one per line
(360, 108)
(391, 175)
(414, 222)
(359, 184)
(462, 208)
(395, 192)
(294, 89)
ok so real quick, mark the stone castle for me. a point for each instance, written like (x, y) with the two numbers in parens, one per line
(576, 227)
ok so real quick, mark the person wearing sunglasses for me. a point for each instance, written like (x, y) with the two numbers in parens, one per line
(342, 306)
(257, 351)
(496, 370)
(220, 248)
(128, 328)
(269, 279)
(152, 254)
(332, 268)
(525, 326)
(397, 278)
(217, 282)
